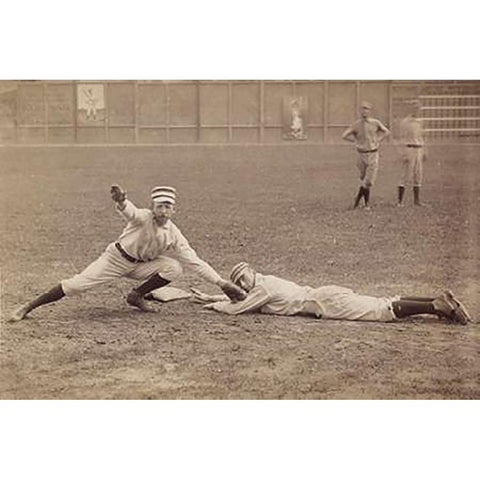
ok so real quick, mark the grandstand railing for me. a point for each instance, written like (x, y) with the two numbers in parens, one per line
(450, 116)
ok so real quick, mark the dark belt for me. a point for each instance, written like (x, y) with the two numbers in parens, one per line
(412, 145)
(125, 255)
(368, 151)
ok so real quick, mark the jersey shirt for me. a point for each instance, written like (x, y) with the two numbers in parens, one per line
(365, 133)
(144, 240)
(411, 131)
(276, 296)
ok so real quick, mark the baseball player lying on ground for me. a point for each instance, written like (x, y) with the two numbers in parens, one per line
(276, 296)
(142, 252)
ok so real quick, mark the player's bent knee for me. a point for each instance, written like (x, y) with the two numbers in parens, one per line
(74, 286)
(172, 271)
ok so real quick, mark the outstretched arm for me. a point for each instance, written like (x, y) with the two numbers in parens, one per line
(256, 298)
(127, 210)
(201, 297)
(187, 254)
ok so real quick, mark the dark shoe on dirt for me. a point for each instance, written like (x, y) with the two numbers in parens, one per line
(444, 307)
(447, 306)
(460, 314)
(136, 300)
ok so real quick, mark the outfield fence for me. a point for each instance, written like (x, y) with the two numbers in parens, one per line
(258, 112)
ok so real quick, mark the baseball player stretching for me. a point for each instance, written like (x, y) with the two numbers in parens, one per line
(366, 133)
(276, 296)
(413, 155)
(142, 252)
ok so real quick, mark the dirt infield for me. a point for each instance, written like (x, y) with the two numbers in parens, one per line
(285, 210)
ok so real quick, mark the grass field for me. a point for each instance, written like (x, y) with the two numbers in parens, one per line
(286, 211)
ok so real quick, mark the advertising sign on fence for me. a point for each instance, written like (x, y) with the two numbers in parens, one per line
(91, 103)
(294, 118)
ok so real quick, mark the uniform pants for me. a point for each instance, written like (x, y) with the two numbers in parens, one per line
(111, 265)
(367, 164)
(412, 167)
(345, 304)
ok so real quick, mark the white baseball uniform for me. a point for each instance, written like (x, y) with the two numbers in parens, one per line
(142, 250)
(276, 296)
(413, 151)
(366, 140)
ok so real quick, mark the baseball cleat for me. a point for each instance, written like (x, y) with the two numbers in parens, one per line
(19, 314)
(447, 306)
(460, 314)
(444, 306)
(136, 300)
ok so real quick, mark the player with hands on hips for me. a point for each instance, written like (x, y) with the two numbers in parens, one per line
(367, 133)
(275, 296)
(143, 252)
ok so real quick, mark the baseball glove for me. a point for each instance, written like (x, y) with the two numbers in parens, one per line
(234, 293)
(118, 194)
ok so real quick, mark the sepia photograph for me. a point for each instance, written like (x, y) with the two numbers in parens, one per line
(239, 241)
(202, 239)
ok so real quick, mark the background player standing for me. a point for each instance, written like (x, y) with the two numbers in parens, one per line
(413, 154)
(366, 133)
(142, 252)
(276, 296)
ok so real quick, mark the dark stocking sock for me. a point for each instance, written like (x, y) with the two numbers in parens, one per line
(404, 308)
(360, 194)
(416, 195)
(54, 294)
(154, 282)
(366, 195)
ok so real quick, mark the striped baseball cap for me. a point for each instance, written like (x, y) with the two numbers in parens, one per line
(238, 270)
(164, 194)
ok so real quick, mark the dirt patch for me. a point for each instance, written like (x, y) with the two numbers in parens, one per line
(285, 210)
